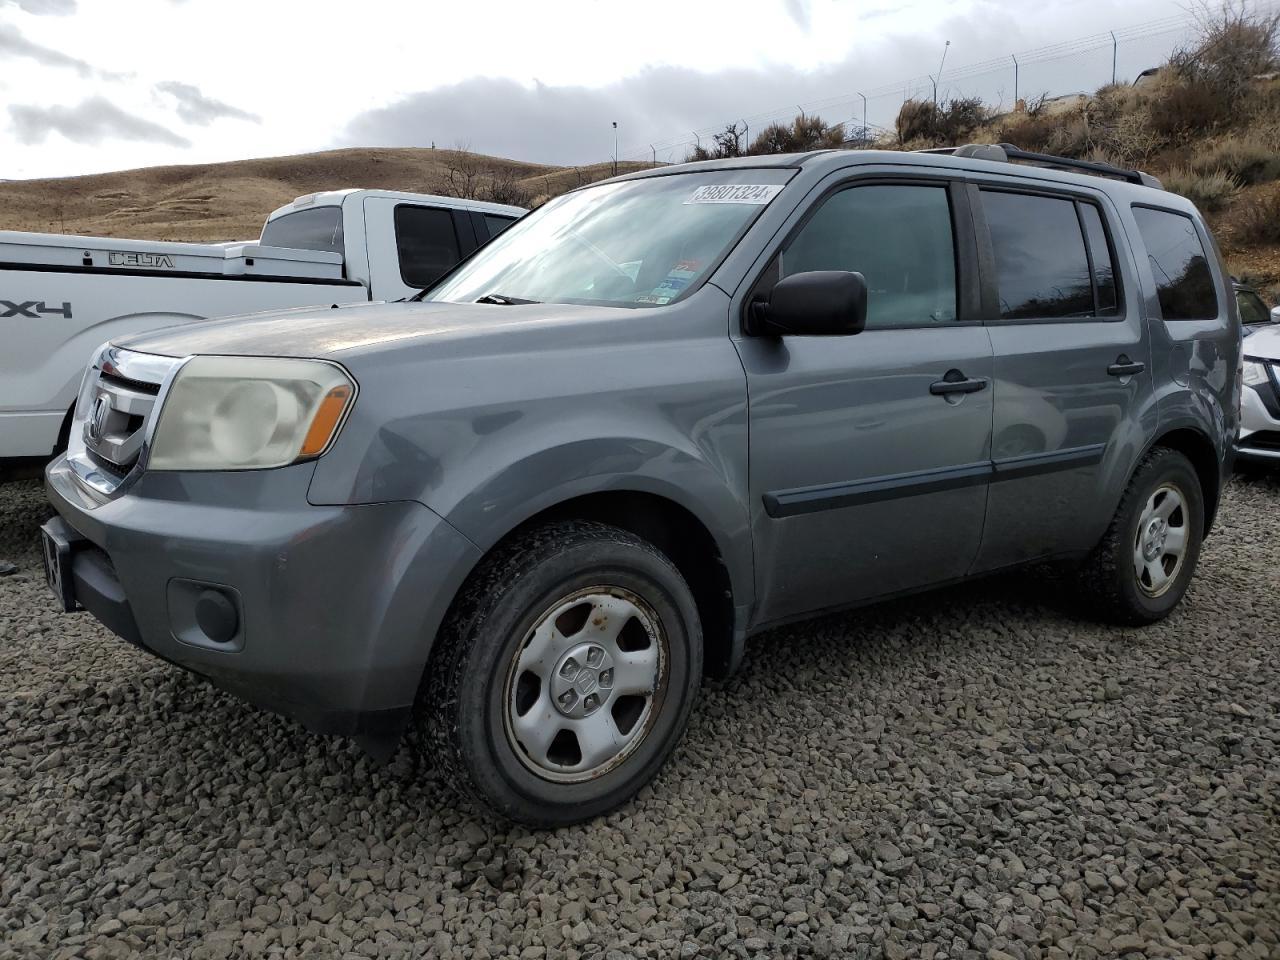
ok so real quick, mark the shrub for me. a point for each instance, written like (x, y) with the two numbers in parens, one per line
(915, 121)
(1064, 134)
(1259, 220)
(1247, 158)
(804, 133)
(1127, 138)
(1233, 45)
(1177, 107)
(958, 118)
(1209, 191)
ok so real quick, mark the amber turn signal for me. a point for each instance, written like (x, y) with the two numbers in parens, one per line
(327, 418)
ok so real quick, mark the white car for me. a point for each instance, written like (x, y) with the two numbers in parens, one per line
(63, 296)
(1260, 394)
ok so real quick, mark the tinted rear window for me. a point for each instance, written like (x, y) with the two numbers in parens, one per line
(497, 224)
(428, 244)
(1252, 309)
(1184, 280)
(1041, 265)
(1104, 272)
(319, 228)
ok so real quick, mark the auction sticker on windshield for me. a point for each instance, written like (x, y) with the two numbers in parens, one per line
(757, 193)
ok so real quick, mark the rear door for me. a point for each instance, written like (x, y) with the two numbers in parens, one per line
(1073, 394)
(411, 245)
(869, 458)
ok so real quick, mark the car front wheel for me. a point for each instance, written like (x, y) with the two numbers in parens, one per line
(565, 674)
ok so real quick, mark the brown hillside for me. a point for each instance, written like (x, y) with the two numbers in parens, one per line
(228, 201)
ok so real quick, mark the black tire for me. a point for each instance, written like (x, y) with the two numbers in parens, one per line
(466, 695)
(1111, 584)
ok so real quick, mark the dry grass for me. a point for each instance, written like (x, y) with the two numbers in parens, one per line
(229, 201)
(1210, 191)
(1256, 221)
(1247, 157)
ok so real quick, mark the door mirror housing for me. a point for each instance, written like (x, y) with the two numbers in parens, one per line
(1275, 314)
(819, 303)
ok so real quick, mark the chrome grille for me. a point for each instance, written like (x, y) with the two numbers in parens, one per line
(121, 393)
(113, 429)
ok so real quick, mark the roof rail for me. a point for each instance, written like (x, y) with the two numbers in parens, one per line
(1008, 152)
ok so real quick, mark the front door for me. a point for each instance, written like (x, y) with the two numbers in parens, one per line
(1071, 367)
(870, 454)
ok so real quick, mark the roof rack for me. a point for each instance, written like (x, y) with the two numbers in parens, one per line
(1007, 153)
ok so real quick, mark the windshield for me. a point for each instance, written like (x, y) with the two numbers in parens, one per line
(636, 243)
(1252, 309)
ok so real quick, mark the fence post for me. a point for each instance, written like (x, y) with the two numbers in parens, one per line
(1015, 82)
(1114, 48)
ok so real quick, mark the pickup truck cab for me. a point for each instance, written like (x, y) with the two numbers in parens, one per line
(662, 413)
(63, 296)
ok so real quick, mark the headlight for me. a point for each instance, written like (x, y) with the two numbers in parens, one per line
(249, 413)
(1255, 373)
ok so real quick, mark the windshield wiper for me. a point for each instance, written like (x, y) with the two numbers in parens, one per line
(503, 299)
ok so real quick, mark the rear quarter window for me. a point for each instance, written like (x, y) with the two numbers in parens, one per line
(1179, 264)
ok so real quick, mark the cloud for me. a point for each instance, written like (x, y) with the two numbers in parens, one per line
(13, 44)
(565, 124)
(194, 107)
(572, 124)
(55, 8)
(798, 10)
(92, 121)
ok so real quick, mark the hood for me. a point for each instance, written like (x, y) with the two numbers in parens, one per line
(1264, 342)
(339, 332)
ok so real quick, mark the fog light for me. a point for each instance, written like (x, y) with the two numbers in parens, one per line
(216, 616)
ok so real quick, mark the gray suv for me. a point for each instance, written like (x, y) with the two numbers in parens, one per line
(531, 511)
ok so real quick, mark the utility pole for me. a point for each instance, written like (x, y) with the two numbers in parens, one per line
(615, 148)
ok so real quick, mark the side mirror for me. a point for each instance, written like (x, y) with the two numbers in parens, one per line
(1275, 314)
(821, 303)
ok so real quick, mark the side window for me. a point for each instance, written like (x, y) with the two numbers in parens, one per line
(1104, 274)
(1042, 267)
(1184, 281)
(497, 224)
(1252, 309)
(899, 237)
(426, 242)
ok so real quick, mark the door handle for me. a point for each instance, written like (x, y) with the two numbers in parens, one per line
(956, 382)
(1124, 367)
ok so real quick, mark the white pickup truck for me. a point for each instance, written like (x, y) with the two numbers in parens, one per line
(62, 296)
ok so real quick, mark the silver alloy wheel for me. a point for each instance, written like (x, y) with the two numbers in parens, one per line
(1161, 540)
(585, 684)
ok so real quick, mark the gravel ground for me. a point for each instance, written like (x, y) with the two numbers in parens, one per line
(973, 774)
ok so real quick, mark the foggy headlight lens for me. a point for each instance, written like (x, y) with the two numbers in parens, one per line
(1255, 373)
(249, 413)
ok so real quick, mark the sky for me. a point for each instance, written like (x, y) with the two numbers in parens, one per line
(94, 85)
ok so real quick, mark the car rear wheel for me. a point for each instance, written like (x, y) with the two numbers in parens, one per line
(565, 674)
(1142, 566)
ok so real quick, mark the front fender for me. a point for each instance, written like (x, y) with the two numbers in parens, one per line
(546, 478)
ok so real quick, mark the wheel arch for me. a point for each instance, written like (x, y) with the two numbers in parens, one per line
(1193, 443)
(676, 529)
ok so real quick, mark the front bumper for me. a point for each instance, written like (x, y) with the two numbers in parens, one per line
(1260, 422)
(336, 607)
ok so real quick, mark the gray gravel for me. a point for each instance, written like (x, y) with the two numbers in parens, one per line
(972, 774)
